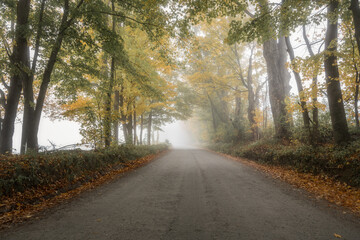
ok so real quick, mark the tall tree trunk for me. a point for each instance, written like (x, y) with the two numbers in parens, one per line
(275, 55)
(129, 127)
(33, 131)
(213, 115)
(314, 92)
(108, 112)
(32, 141)
(251, 100)
(305, 113)
(357, 82)
(28, 86)
(135, 137)
(141, 128)
(122, 113)
(355, 8)
(117, 116)
(278, 77)
(153, 137)
(20, 59)
(356, 106)
(124, 126)
(336, 104)
(149, 127)
(237, 107)
(265, 113)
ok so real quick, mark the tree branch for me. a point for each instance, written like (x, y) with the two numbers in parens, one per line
(118, 14)
(38, 36)
(4, 83)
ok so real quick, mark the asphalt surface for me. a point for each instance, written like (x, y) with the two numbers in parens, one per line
(191, 194)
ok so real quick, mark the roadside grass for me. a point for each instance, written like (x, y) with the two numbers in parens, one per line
(29, 183)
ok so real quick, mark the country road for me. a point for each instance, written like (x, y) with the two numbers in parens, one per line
(191, 194)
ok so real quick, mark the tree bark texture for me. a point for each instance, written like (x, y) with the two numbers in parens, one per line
(32, 142)
(314, 94)
(355, 9)
(108, 112)
(117, 115)
(251, 101)
(278, 78)
(336, 104)
(135, 136)
(20, 60)
(28, 92)
(141, 128)
(305, 113)
(149, 128)
(129, 127)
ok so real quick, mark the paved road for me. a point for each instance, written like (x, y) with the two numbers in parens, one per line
(191, 194)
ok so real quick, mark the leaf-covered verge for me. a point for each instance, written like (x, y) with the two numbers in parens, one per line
(340, 163)
(327, 171)
(29, 183)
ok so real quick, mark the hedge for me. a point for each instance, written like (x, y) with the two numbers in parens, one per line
(21, 172)
(339, 162)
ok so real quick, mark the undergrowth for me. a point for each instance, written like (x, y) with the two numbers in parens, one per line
(23, 172)
(338, 162)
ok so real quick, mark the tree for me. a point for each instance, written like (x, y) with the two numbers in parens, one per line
(336, 105)
(19, 61)
(303, 104)
(262, 27)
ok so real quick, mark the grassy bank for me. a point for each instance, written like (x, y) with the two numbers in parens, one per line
(340, 163)
(62, 170)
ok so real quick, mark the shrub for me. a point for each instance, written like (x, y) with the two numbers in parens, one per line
(22, 172)
(341, 163)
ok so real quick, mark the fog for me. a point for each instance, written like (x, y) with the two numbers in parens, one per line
(63, 133)
(179, 135)
(58, 132)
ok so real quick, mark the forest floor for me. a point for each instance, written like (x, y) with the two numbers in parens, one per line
(192, 194)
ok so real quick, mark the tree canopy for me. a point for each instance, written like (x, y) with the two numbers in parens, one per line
(242, 70)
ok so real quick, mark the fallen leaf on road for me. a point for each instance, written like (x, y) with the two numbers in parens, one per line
(337, 235)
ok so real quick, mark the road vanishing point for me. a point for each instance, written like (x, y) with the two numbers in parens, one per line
(191, 194)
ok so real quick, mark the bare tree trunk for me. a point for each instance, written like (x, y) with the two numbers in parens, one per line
(265, 108)
(149, 127)
(237, 107)
(117, 117)
(356, 106)
(20, 59)
(278, 77)
(141, 128)
(357, 82)
(356, 18)
(129, 127)
(135, 137)
(108, 112)
(28, 86)
(65, 23)
(337, 111)
(251, 100)
(124, 126)
(213, 116)
(305, 112)
(314, 94)
(122, 114)
(153, 137)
